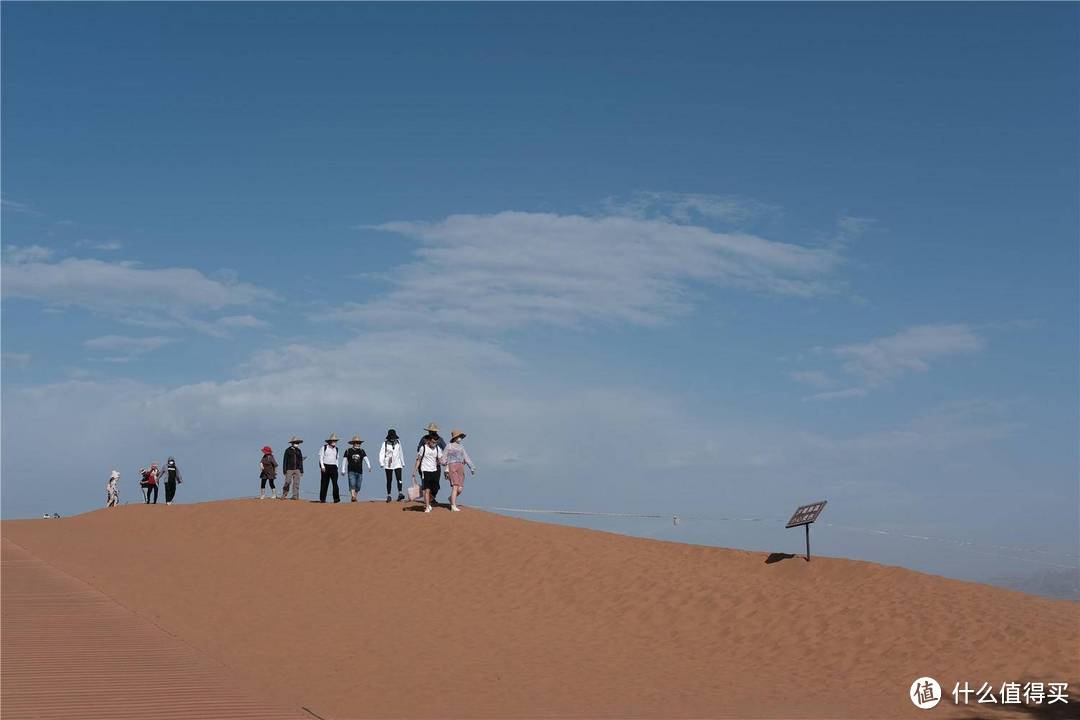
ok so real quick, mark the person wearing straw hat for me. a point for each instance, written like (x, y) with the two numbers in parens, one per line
(328, 465)
(353, 461)
(455, 459)
(431, 429)
(427, 464)
(392, 460)
(267, 473)
(112, 489)
(292, 464)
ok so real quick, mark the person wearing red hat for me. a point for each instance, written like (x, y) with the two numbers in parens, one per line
(267, 472)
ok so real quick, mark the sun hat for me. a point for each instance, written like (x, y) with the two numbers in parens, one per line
(115, 475)
(455, 434)
(391, 434)
(355, 440)
(295, 440)
(267, 450)
(432, 427)
(333, 438)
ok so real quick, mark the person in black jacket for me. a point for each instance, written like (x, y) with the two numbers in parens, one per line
(292, 464)
(172, 479)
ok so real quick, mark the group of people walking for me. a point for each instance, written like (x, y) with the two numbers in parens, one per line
(433, 456)
(149, 480)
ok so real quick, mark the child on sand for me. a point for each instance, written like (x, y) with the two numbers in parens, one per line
(267, 473)
(112, 490)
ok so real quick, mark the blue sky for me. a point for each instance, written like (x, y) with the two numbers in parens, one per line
(718, 258)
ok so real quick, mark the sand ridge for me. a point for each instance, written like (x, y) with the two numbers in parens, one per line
(371, 610)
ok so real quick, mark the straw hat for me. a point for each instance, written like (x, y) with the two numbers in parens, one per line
(432, 427)
(333, 438)
(355, 440)
(267, 450)
(295, 440)
(391, 434)
(455, 434)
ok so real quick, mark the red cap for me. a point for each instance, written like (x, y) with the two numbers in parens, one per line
(267, 450)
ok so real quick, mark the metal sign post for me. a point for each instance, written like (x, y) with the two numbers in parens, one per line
(805, 515)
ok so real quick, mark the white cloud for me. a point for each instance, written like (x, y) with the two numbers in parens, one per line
(18, 207)
(163, 296)
(690, 208)
(241, 321)
(812, 377)
(881, 360)
(110, 246)
(514, 268)
(18, 255)
(838, 394)
(15, 359)
(911, 350)
(127, 345)
(850, 227)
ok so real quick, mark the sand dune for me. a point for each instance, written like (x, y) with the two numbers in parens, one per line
(370, 610)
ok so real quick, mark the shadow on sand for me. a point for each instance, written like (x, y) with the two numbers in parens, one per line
(419, 506)
(777, 557)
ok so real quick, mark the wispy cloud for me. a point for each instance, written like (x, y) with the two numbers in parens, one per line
(910, 350)
(513, 268)
(111, 246)
(838, 394)
(19, 254)
(241, 321)
(165, 296)
(881, 360)
(690, 208)
(15, 359)
(812, 377)
(18, 207)
(127, 346)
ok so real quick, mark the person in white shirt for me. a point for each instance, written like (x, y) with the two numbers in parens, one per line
(328, 464)
(392, 460)
(427, 464)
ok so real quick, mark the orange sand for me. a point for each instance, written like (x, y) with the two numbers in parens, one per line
(371, 610)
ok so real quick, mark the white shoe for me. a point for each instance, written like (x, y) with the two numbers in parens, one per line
(455, 508)
(169, 502)
(427, 508)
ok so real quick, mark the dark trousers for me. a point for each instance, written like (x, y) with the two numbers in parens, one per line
(262, 485)
(329, 475)
(151, 490)
(170, 490)
(430, 481)
(389, 477)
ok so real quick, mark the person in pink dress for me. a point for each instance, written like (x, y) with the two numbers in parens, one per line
(454, 459)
